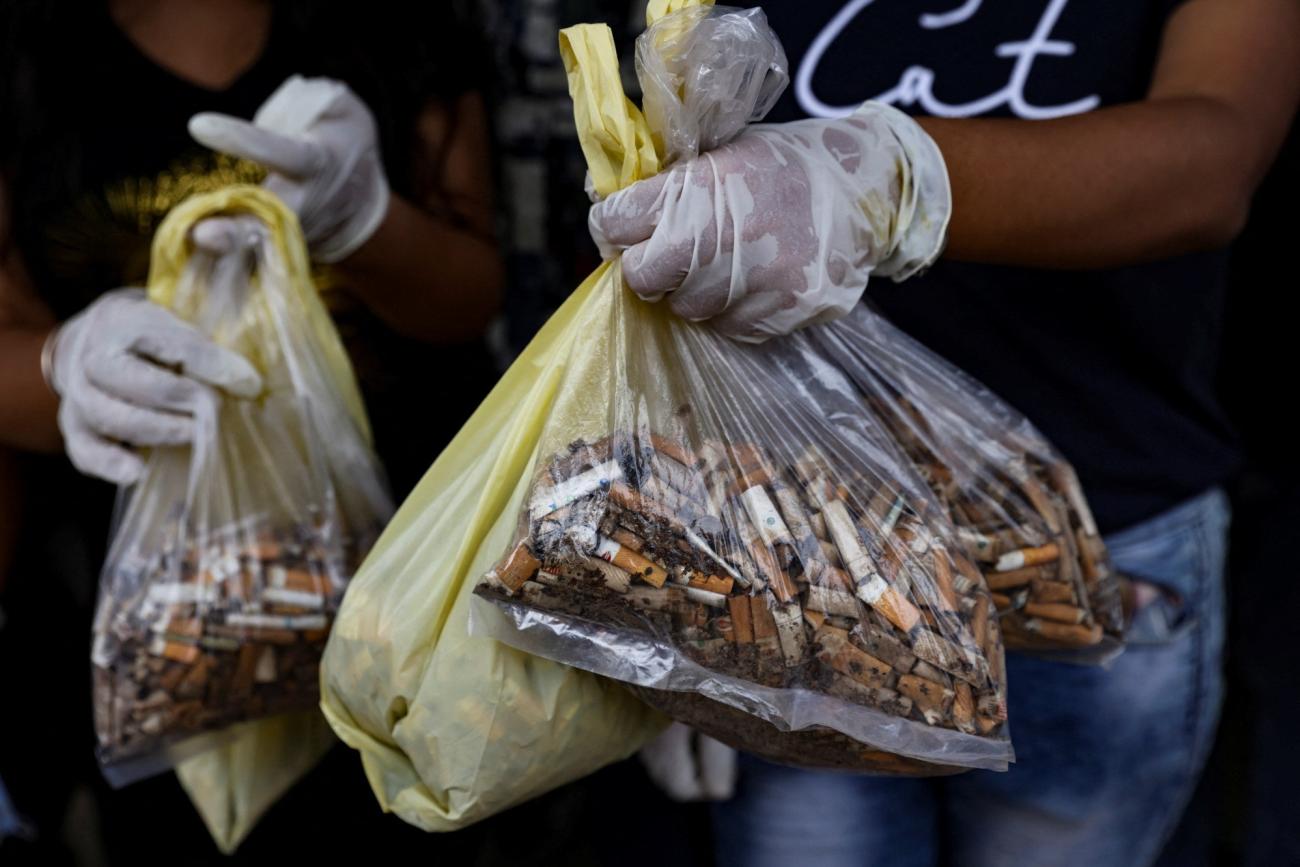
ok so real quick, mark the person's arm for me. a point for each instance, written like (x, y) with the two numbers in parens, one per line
(27, 404)
(1169, 175)
(425, 276)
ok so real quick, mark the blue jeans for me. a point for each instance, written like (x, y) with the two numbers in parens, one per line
(1106, 758)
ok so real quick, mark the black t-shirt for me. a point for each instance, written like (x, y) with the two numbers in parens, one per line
(1116, 367)
(84, 218)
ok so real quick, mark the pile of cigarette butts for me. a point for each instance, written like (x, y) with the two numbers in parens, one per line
(784, 573)
(1027, 524)
(212, 631)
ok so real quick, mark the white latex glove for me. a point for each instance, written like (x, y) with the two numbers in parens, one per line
(689, 766)
(781, 227)
(320, 144)
(130, 374)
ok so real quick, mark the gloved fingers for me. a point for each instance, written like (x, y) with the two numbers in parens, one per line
(219, 236)
(630, 215)
(279, 153)
(96, 456)
(115, 419)
(140, 382)
(178, 344)
(652, 270)
(670, 762)
(717, 769)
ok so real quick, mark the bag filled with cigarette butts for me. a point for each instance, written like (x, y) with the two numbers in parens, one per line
(1018, 507)
(230, 556)
(728, 528)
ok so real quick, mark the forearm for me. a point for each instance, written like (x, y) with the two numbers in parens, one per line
(29, 407)
(1126, 184)
(1171, 174)
(425, 277)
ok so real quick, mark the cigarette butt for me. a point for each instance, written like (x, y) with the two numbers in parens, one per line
(614, 578)
(890, 603)
(1027, 557)
(789, 631)
(704, 597)
(312, 636)
(265, 548)
(845, 536)
(630, 561)
(672, 448)
(1052, 591)
(1065, 479)
(828, 600)
(1054, 611)
(836, 651)
(959, 661)
(979, 623)
(183, 628)
(763, 622)
(1065, 633)
(818, 525)
(177, 652)
(753, 478)
(1091, 550)
(881, 644)
(815, 618)
(943, 579)
(782, 586)
(991, 704)
(741, 619)
(986, 726)
(932, 699)
(747, 456)
(763, 513)
(929, 672)
(963, 707)
(627, 539)
(561, 494)
(1001, 600)
(519, 567)
(1041, 501)
(975, 542)
(712, 583)
(299, 581)
(1013, 578)
(765, 560)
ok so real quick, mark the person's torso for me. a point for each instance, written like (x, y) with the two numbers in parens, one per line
(1116, 367)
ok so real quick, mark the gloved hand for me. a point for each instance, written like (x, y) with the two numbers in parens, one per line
(689, 766)
(321, 146)
(131, 374)
(781, 227)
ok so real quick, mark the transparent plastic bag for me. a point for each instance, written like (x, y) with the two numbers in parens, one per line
(1019, 509)
(706, 72)
(730, 531)
(229, 558)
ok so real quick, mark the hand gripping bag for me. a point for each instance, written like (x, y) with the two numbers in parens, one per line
(728, 528)
(230, 557)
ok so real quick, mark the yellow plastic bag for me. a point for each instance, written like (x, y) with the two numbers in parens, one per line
(453, 728)
(275, 318)
(235, 783)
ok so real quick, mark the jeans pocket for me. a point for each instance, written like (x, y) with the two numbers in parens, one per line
(1162, 618)
(1167, 568)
